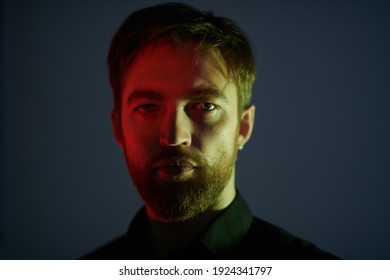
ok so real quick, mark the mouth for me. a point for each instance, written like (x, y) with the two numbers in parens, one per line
(174, 162)
(174, 167)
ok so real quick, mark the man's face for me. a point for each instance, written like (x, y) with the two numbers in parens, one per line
(180, 130)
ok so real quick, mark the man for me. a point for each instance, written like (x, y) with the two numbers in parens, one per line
(182, 82)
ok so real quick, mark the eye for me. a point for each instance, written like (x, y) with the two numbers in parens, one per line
(145, 108)
(206, 106)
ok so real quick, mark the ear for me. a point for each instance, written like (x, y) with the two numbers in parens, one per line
(117, 127)
(247, 122)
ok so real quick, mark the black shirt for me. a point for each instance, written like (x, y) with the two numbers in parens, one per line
(234, 234)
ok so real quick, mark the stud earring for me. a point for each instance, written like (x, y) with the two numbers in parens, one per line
(241, 147)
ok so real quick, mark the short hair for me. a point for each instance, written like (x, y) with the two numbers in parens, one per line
(181, 24)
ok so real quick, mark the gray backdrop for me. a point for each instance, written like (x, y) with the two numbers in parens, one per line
(317, 164)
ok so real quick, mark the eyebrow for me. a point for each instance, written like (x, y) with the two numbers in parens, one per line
(145, 94)
(208, 93)
(195, 94)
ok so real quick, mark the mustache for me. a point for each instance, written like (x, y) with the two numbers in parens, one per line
(176, 156)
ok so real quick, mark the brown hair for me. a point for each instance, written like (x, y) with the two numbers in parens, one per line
(178, 23)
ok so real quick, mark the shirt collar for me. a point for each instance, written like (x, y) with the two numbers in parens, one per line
(222, 236)
(226, 232)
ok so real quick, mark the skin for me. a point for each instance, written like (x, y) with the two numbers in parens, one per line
(179, 99)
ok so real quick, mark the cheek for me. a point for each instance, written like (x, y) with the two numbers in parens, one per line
(139, 138)
(219, 136)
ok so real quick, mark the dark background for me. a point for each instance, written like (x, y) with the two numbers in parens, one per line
(317, 164)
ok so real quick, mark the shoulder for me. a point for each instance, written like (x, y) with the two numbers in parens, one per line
(114, 250)
(267, 241)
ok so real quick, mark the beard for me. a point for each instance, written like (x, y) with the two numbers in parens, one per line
(182, 197)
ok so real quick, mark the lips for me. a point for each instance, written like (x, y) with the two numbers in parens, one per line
(174, 162)
(174, 166)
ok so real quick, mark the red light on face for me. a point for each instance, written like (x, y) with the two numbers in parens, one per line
(179, 129)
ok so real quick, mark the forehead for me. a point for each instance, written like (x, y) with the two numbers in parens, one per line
(175, 69)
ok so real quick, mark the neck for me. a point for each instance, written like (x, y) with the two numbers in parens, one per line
(166, 237)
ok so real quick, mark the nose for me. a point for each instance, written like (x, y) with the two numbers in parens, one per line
(175, 129)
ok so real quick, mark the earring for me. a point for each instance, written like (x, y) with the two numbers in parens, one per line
(241, 147)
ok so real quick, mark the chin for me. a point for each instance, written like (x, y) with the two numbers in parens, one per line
(171, 216)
